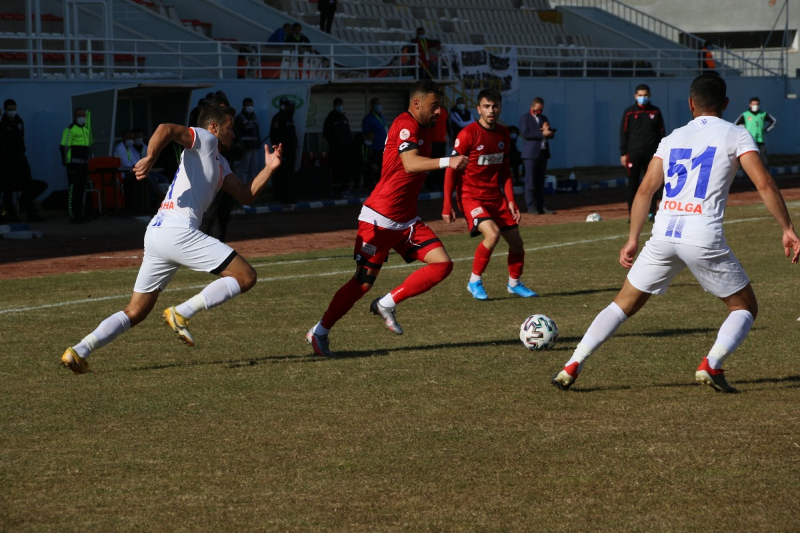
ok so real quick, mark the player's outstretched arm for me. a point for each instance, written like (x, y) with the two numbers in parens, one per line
(772, 198)
(164, 134)
(414, 163)
(653, 180)
(246, 194)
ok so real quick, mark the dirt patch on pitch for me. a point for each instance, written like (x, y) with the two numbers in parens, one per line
(116, 242)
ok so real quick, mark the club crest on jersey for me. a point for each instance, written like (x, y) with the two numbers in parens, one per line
(368, 248)
(652, 116)
(475, 212)
(458, 141)
(501, 145)
(405, 134)
(421, 142)
(479, 148)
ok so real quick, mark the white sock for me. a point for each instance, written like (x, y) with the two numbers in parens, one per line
(320, 330)
(108, 330)
(387, 301)
(474, 277)
(215, 293)
(605, 324)
(512, 282)
(731, 334)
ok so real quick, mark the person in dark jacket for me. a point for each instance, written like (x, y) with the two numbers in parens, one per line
(15, 172)
(640, 133)
(297, 37)
(337, 132)
(327, 10)
(282, 131)
(535, 130)
(460, 118)
(514, 155)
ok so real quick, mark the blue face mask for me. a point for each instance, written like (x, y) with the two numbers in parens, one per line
(643, 100)
(513, 136)
(377, 108)
(339, 108)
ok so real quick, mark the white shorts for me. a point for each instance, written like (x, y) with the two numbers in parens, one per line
(717, 269)
(166, 249)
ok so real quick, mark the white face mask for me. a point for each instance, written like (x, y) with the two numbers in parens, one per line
(754, 108)
(138, 141)
(129, 143)
(249, 109)
(80, 121)
(367, 142)
(11, 114)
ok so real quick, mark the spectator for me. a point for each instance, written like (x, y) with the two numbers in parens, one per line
(280, 35)
(76, 149)
(706, 59)
(15, 172)
(282, 131)
(138, 141)
(337, 132)
(194, 113)
(758, 123)
(327, 10)
(435, 179)
(248, 137)
(428, 51)
(297, 37)
(460, 117)
(128, 155)
(514, 155)
(535, 130)
(374, 122)
(365, 167)
(639, 136)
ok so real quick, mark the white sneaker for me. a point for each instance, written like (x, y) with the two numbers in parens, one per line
(387, 313)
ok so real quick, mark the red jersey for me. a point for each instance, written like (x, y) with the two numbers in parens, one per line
(488, 173)
(396, 194)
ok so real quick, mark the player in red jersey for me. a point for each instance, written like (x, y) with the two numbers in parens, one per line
(389, 220)
(485, 194)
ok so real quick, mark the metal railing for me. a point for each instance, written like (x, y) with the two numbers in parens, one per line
(59, 57)
(675, 34)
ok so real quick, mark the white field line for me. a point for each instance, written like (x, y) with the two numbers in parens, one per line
(322, 274)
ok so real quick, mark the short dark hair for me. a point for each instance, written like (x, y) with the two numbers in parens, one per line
(642, 87)
(420, 29)
(297, 25)
(337, 101)
(8, 103)
(490, 95)
(374, 101)
(212, 114)
(460, 98)
(424, 87)
(538, 100)
(709, 92)
(244, 102)
(753, 99)
(286, 24)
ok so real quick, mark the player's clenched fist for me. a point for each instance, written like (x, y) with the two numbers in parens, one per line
(458, 162)
(142, 167)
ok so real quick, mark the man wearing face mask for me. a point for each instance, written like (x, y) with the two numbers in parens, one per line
(76, 149)
(125, 150)
(282, 131)
(460, 118)
(374, 122)
(640, 133)
(248, 135)
(758, 123)
(138, 141)
(337, 132)
(15, 172)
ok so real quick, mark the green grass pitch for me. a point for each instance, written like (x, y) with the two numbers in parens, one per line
(452, 426)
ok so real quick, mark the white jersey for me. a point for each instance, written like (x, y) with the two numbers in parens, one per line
(196, 181)
(700, 161)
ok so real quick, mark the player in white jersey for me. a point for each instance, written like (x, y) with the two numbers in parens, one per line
(172, 238)
(695, 165)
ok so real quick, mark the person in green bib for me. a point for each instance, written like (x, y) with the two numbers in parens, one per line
(76, 149)
(758, 123)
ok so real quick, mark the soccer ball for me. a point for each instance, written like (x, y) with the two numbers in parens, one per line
(594, 217)
(538, 332)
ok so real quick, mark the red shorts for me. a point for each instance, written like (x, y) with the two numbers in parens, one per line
(373, 243)
(476, 211)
